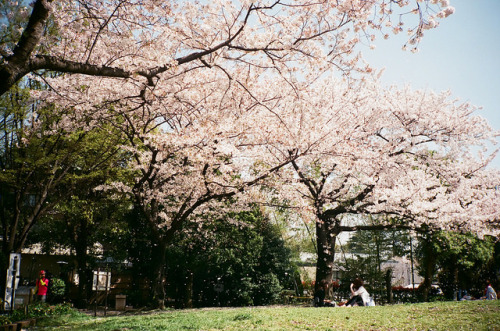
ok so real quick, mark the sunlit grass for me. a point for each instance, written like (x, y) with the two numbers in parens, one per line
(473, 315)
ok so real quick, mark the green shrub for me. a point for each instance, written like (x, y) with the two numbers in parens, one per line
(4, 319)
(18, 315)
(64, 308)
(57, 289)
(40, 309)
(268, 290)
(36, 310)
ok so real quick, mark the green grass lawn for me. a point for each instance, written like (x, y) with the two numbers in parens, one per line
(471, 315)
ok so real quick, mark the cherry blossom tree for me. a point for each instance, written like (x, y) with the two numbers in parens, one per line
(187, 157)
(415, 158)
(144, 42)
(199, 88)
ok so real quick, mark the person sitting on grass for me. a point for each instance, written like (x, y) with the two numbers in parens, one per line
(359, 295)
(489, 292)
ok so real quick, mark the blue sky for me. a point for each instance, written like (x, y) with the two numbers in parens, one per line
(461, 55)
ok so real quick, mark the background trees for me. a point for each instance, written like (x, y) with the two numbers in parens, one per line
(370, 251)
(88, 224)
(43, 164)
(460, 262)
(400, 153)
(237, 259)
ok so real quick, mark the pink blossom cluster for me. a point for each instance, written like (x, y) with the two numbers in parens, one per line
(218, 97)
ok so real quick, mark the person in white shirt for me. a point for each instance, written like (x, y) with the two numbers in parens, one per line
(359, 295)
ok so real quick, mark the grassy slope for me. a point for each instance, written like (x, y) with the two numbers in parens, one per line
(473, 315)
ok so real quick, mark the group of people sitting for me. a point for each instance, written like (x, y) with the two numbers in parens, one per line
(489, 294)
(359, 296)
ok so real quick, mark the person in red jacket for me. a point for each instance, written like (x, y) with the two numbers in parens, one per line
(42, 284)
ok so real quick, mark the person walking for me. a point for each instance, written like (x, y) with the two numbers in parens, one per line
(42, 285)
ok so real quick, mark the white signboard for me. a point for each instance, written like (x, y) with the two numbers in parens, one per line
(12, 280)
(102, 281)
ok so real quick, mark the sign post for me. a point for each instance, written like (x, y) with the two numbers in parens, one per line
(12, 282)
(101, 282)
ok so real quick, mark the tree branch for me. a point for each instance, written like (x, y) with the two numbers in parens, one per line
(14, 67)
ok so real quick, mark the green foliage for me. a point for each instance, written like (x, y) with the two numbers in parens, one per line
(48, 177)
(4, 319)
(38, 310)
(383, 244)
(268, 289)
(241, 255)
(463, 261)
(57, 288)
(18, 315)
(43, 164)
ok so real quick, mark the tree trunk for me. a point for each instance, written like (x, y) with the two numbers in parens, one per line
(4, 265)
(326, 235)
(388, 285)
(455, 280)
(158, 276)
(429, 268)
(81, 245)
(188, 290)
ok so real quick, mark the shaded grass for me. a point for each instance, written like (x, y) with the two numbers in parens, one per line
(471, 315)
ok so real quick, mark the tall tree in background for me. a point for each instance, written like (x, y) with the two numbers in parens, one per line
(405, 154)
(41, 164)
(370, 250)
(84, 217)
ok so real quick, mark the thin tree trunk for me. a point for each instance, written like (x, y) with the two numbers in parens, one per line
(388, 285)
(81, 245)
(455, 280)
(188, 289)
(158, 277)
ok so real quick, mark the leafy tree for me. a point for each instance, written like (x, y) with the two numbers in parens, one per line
(461, 261)
(248, 263)
(88, 223)
(382, 245)
(43, 165)
(57, 290)
(35, 160)
(86, 217)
